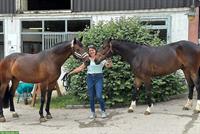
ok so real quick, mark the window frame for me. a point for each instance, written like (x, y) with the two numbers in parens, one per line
(167, 25)
(24, 9)
(3, 33)
(43, 32)
(3, 26)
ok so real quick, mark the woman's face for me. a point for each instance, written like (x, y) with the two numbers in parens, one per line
(92, 52)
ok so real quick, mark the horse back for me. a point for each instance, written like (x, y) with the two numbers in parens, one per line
(34, 68)
(156, 61)
(7, 62)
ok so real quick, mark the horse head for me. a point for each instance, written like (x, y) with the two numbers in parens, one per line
(105, 52)
(78, 50)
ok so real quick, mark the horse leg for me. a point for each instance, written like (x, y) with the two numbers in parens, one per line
(49, 93)
(190, 83)
(3, 89)
(147, 84)
(2, 118)
(42, 101)
(12, 94)
(197, 85)
(197, 109)
(137, 83)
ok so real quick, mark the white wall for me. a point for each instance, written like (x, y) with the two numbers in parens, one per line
(178, 21)
(179, 27)
(12, 35)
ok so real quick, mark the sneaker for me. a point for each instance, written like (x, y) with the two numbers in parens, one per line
(92, 116)
(103, 114)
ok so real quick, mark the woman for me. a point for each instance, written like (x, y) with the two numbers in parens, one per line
(94, 81)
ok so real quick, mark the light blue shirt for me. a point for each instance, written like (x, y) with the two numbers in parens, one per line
(93, 68)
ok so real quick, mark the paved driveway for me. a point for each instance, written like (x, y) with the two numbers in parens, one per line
(167, 118)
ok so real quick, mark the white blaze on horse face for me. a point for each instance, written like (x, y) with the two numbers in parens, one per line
(72, 44)
(198, 106)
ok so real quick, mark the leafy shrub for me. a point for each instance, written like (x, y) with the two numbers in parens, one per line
(118, 81)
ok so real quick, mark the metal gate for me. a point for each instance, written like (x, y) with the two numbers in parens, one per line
(51, 39)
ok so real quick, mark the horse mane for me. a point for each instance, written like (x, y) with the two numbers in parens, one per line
(132, 42)
(59, 47)
(60, 44)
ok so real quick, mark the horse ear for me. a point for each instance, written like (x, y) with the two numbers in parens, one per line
(81, 39)
(74, 41)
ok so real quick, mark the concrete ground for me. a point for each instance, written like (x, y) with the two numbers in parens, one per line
(167, 118)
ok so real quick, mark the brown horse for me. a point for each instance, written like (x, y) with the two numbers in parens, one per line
(147, 62)
(43, 68)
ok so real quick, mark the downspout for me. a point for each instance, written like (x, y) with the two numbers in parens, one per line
(193, 23)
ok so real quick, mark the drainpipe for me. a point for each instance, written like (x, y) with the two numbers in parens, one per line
(193, 21)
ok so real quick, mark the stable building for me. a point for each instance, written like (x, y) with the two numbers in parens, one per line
(34, 25)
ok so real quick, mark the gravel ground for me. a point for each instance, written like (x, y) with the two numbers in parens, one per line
(166, 118)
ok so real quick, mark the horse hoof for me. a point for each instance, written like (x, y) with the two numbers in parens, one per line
(186, 108)
(2, 119)
(26, 102)
(15, 115)
(130, 110)
(147, 113)
(48, 116)
(43, 119)
(196, 111)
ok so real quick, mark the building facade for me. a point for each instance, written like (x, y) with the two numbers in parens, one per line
(34, 25)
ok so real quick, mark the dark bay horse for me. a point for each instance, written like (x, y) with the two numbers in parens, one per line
(147, 62)
(43, 68)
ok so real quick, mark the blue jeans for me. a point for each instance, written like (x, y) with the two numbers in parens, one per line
(95, 86)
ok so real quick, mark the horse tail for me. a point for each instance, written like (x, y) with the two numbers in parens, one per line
(6, 98)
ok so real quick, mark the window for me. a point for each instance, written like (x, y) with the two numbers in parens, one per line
(162, 33)
(46, 4)
(31, 36)
(32, 43)
(37, 35)
(154, 22)
(1, 40)
(1, 26)
(32, 26)
(54, 26)
(159, 26)
(77, 25)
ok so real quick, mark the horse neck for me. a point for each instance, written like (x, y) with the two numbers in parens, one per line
(61, 52)
(125, 49)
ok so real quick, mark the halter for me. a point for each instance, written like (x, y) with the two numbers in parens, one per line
(110, 49)
(81, 56)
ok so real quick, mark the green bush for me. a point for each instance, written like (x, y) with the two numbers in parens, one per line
(118, 81)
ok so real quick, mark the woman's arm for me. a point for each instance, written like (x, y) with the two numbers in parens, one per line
(108, 63)
(78, 69)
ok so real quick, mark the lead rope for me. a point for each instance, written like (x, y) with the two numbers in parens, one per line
(66, 81)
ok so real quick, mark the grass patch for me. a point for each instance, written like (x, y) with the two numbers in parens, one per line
(62, 101)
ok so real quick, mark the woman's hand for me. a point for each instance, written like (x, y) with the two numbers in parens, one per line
(108, 63)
